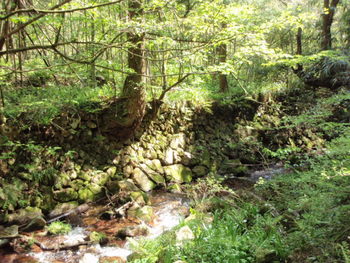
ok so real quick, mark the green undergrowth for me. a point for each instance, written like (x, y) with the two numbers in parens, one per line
(58, 228)
(303, 216)
(42, 104)
(244, 234)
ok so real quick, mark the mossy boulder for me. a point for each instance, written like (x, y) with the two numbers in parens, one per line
(178, 141)
(86, 195)
(85, 175)
(175, 188)
(65, 195)
(144, 213)
(95, 188)
(178, 173)
(111, 171)
(139, 197)
(169, 156)
(62, 208)
(157, 178)
(24, 216)
(127, 185)
(100, 178)
(142, 180)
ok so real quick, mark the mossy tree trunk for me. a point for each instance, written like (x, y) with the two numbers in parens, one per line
(133, 93)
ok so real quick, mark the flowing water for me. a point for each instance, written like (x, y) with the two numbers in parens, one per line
(169, 209)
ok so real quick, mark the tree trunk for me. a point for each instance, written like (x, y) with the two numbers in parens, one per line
(299, 42)
(327, 21)
(134, 94)
(222, 53)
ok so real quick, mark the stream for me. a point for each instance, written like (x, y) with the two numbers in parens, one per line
(168, 210)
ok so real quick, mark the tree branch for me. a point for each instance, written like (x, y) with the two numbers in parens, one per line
(44, 12)
(22, 26)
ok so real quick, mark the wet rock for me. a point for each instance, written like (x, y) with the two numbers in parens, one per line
(66, 195)
(8, 232)
(139, 197)
(62, 208)
(35, 224)
(200, 170)
(89, 258)
(178, 173)
(24, 216)
(143, 213)
(15, 258)
(98, 238)
(132, 231)
(142, 180)
(183, 234)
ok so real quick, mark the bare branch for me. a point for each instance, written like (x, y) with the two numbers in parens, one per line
(44, 12)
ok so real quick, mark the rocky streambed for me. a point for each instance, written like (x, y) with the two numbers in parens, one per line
(165, 211)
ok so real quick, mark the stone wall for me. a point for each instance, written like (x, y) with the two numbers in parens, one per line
(181, 144)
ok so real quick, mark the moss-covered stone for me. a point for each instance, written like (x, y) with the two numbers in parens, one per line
(127, 186)
(142, 180)
(100, 178)
(175, 188)
(65, 195)
(139, 197)
(178, 141)
(24, 216)
(157, 178)
(95, 188)
(111, 171)
(85, 195)
(85, 175)
(178, 173)
(169, 156)
(144, 213)
(62, 208)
